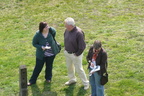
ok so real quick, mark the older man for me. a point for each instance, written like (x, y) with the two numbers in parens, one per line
(74, 47)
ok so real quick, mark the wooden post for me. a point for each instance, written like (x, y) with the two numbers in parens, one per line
(23, 81)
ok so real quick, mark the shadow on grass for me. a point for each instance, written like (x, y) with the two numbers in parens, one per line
(69, 90)
(45, 92)
(81, 92)
(35, 90)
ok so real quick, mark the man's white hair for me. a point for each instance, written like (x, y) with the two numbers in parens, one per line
(69, 21)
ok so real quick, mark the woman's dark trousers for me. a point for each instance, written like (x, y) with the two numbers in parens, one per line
(38, 67)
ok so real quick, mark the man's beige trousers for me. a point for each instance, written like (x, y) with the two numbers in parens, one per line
(74, 63)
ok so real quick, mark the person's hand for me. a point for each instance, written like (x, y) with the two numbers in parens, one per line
(92, 64)
(43, 48)
(92, 72)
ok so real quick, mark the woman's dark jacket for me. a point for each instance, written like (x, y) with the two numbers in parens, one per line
(101, 60)
(39, 41)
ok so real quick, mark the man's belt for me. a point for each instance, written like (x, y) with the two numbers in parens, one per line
(70, 52)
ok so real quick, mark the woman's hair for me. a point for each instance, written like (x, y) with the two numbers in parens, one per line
(97, 44)
(42, 25)
(69, 21)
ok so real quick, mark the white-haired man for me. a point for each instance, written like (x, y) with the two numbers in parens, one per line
(74, 47)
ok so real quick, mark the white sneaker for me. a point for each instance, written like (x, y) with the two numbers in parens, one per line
(70, 82)
(86, 87)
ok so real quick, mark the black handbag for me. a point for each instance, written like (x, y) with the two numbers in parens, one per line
(104, 79)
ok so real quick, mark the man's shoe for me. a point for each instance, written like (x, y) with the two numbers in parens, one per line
(70, 82)
(48, 81)
(29, 84)
(86, 87)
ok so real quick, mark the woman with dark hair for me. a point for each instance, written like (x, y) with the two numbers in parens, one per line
(46, 50)
(97, 60)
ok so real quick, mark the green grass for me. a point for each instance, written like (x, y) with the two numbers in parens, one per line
(119, 24)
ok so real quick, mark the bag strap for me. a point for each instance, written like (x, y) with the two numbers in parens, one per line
(105, 66)
(50, 31)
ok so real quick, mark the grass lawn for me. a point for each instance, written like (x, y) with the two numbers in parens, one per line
(119, 24)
